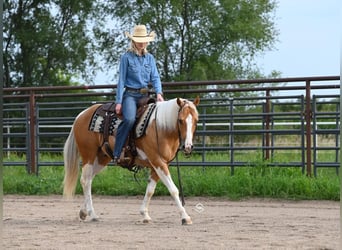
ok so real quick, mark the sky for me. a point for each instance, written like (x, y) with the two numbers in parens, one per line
(309, 39)
(308, 43)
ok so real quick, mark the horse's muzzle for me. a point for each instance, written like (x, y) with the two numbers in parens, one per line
(187, 149)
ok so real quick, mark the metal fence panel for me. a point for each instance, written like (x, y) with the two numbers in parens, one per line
(231, 127)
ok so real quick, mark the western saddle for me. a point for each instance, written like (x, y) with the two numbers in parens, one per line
(129, 152)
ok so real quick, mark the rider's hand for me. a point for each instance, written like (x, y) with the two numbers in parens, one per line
(118, 108)
(160, 98)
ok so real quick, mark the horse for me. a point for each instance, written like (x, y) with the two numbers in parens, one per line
(172, 123)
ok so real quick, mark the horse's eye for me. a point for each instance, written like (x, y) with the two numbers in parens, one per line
(180, 121)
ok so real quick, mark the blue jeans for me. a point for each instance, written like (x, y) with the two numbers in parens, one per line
(129, 110)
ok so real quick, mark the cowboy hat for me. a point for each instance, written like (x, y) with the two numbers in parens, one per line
(140, 34)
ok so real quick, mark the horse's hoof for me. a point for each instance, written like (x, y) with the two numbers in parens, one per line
(95, 219)
(186, 221)
(83, 214)
(146, 221)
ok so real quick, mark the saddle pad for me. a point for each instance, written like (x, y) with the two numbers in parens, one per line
(142, 123)
(97, 122)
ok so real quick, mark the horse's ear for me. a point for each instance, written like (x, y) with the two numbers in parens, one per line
(196, 101)
(179, 102)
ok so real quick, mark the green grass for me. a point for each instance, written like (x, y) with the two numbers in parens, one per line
(254, 180)
(260, 181)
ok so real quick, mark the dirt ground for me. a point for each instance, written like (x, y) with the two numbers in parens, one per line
(50, 222)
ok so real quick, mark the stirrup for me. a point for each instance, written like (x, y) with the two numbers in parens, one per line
(120, 160)
(123, 160)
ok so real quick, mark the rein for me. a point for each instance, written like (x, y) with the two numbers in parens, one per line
(179, 180)
(178, 170)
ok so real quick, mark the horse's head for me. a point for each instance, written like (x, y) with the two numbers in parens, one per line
(187, 122)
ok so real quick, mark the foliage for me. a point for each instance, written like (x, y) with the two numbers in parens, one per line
(199, 40)
(53, 42)
(47, 42)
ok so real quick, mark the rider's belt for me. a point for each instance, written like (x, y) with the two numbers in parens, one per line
(141, 91)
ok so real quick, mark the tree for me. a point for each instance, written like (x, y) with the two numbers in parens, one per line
(46, 42)
(51, 42)
(198, 40)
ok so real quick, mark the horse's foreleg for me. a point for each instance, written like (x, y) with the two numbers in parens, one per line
(88, 173)
(151, 186)
(168, 182)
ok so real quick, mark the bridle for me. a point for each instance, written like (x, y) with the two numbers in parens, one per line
(186, 103)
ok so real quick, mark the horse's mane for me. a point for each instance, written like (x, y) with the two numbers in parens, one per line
(167, 114)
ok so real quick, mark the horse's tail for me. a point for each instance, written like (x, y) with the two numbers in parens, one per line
(71, 165)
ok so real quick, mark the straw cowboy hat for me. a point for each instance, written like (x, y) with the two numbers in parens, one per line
(140, 34)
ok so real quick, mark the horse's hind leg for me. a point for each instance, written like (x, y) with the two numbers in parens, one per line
(168, 182)
(151, 186)
(88, 173)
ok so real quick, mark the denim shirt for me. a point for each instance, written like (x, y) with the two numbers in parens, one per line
(137, 72)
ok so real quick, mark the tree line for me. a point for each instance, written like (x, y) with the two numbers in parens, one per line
(57, 42)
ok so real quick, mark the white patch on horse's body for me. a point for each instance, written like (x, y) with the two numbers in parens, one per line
(141, 154)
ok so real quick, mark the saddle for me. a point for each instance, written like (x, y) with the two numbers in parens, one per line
(107, 111)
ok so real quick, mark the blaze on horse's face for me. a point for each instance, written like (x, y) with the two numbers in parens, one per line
(187, 122)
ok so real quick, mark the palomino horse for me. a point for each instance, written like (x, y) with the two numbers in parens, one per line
(172, 123)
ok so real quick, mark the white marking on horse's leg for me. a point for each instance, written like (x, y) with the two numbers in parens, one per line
(151, 186)
(88, 173)
(168, 182)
